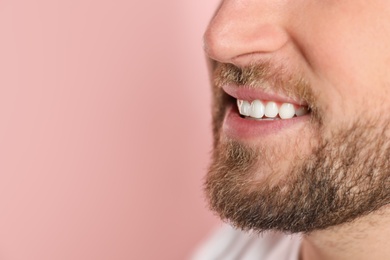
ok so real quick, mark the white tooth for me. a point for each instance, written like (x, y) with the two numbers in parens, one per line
(271, 109)
(239, 105)
(301, 111)
(286, 111)
(257, 109)
(245, 108)
(270, 119)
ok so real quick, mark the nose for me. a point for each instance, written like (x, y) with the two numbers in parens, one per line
(243, 29)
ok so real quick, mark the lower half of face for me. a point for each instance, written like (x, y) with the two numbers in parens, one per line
(298, 174)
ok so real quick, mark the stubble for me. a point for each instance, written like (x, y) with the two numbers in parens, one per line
(344, 176)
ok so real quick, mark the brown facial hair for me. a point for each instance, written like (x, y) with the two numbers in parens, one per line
(344, 177)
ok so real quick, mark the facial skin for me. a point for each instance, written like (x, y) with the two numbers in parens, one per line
(329, 168)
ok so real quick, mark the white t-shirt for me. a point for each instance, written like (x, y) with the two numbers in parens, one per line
(231, 244)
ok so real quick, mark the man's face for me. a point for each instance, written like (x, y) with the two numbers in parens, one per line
(327, 61)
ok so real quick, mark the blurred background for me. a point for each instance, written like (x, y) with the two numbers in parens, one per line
(105, 129)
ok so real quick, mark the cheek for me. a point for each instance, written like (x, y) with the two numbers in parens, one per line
(355, 78)
(349, 62)
(346, 46)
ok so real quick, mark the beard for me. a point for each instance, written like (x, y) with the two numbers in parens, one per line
(344, 176)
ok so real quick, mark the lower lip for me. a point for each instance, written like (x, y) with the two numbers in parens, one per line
(240, 128)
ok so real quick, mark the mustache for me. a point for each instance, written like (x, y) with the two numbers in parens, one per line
(267, 77)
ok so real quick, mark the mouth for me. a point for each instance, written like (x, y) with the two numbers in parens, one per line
(252, 113)
(270, 110)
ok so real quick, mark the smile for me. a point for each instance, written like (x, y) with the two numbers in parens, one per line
(270, 110)
(253, 113)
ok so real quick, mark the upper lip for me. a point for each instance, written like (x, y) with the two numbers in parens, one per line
(250, 93)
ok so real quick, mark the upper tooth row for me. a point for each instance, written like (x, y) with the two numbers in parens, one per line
(259, 109)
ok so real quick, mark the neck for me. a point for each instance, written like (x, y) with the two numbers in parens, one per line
(365, 238)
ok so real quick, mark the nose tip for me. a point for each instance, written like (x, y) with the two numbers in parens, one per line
(235, 32)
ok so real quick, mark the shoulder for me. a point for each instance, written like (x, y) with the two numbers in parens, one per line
(229, 243)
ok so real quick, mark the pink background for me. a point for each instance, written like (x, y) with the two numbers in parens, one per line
(105, 129)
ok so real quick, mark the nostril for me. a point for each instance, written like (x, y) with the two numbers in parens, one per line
(230, 42)
(216, 45)
(241, 29)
